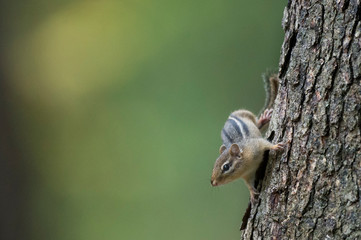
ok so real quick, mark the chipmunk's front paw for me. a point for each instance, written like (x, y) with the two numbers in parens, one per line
(265, 118)
(254, 196)
(254, 200)
(279, 146)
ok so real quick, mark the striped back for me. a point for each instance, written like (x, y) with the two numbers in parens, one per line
(234, 131)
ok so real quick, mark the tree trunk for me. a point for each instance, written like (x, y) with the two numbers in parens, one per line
(312, 190)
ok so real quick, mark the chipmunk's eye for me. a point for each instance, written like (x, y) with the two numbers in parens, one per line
(225, 167)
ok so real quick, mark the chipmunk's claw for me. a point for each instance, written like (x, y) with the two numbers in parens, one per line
(254, 196)
(265, 118)
(267, 114)
(279, 146)
(254, 200)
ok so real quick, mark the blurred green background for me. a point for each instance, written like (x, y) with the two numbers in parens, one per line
(115, 110)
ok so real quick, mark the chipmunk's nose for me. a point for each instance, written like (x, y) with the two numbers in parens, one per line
(213, 183)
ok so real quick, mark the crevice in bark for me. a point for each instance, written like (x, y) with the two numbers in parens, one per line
(292, 44)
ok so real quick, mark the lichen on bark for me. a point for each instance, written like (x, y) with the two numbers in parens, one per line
(312, 190)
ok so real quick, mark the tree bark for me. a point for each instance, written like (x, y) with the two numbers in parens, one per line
(312, 190)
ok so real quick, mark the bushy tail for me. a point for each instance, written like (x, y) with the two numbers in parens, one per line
(271, 83)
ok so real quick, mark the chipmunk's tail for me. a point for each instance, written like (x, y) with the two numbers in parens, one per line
(271, 83)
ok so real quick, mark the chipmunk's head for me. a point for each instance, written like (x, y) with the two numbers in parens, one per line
(228, 166)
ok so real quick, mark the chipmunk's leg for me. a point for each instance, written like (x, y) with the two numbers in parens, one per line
(264, 118)
(279, 146)
(266, 145)
(254, 193)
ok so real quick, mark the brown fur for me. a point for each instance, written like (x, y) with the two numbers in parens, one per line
(243, 158)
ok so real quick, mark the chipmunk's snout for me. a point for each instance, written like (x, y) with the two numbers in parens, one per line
(214, 183)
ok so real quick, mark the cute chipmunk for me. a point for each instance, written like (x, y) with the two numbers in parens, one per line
(243, 146)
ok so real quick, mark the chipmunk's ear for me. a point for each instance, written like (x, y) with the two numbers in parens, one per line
(235, 151)
(221, 149)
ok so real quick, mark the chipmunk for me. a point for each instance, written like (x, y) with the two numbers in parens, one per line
(243, 146)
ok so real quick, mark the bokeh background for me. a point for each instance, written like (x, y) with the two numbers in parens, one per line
(111, 114)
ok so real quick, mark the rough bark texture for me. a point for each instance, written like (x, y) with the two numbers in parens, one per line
(312, 190)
